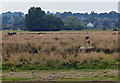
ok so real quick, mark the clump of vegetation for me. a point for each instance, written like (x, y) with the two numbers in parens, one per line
(115, 29)
(42, 21)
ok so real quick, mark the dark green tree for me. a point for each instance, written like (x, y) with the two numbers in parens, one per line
(34, 18)
(52, 23)
(37, 20)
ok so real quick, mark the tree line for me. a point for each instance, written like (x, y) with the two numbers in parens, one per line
(11, 20)
(38, 20)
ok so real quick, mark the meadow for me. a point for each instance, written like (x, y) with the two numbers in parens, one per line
(60, 50)
(71, 76)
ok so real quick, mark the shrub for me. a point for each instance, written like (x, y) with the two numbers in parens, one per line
(115, 29)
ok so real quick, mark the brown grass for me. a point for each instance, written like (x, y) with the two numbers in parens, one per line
(61, 46)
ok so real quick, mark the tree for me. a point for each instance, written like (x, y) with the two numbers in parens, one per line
(37, 20)
(73, 23)
(34, 18)
(65, 14)
(52, 23)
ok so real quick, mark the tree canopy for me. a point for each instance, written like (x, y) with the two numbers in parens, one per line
(73, 23)
(37, 20)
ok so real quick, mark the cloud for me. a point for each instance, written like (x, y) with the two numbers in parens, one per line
(61, 6)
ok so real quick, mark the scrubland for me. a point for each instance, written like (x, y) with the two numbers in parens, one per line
(59, 50)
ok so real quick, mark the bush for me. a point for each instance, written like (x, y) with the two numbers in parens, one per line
(115, 29)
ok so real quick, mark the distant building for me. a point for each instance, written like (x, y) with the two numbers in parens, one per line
(90, 25)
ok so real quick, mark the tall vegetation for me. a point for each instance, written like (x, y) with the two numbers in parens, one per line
(60, 50)
(73, 23)
(37, 20)
(13, 20)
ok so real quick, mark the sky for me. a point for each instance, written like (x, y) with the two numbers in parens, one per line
(59, 0)
(76, 6)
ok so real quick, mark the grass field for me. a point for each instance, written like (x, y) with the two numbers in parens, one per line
(60, 51)
(62, 75)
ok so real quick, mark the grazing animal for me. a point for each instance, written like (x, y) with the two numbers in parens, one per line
(87, 42)
(36, 51)
(82, 48)
(14, 33)
(107, 50)
(87, 37)
(9, 33)
(40, 33)
(86, 49)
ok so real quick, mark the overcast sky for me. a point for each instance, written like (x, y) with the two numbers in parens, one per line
(60, 5)
(59, 0)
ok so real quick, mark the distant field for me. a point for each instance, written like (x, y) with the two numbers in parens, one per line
(60, 50)
(57, 56)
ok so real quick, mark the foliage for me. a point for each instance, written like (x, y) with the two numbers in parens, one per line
(13, 20)
(52, 23)
(37, 20)
(73, 23)
(115, 29)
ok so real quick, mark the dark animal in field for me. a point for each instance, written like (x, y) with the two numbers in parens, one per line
(87, 42)
(36, 51)
(87, 37)
(107, 50)
(39, 33)
(14, 33)
(11, 33)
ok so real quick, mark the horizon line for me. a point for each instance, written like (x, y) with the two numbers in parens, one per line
(65, 11)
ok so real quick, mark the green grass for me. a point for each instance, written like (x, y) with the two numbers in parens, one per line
(67, 75)
(16, 79)
(62, 66)
(97, 78)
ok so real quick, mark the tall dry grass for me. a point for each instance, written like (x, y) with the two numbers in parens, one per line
(58, 47)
